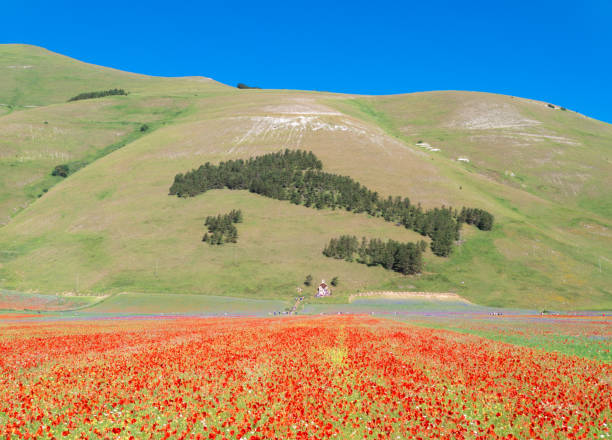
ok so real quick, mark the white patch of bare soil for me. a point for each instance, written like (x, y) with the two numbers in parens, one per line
(293, 127)
(438, 296)
(522, 139)
(545, 137)
(486, 116)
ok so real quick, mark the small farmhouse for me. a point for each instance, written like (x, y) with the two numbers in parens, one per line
(323, 289)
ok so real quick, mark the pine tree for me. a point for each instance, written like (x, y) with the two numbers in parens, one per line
(232, 235)
(402, 261)
(296, 198)
(388, 257)
(363, 250)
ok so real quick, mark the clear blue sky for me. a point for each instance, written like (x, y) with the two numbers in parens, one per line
(556, 51)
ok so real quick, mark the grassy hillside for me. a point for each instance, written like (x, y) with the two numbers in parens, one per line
(541, 148)
(33, 142)
(544, 168)
(53, 131)
(32, 77)
(111, 227)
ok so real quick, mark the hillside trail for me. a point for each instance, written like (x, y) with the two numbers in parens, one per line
(298, 300)
(439, 296)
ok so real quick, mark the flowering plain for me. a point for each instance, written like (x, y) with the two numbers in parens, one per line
(294, 377)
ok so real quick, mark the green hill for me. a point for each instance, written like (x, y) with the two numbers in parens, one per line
(112, 227)
(34, 77)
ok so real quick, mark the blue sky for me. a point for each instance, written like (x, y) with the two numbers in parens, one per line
(555, 51)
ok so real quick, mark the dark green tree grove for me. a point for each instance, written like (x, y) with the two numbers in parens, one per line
(406, 258)
(221, 228)
(100, 94)
(297, 176)
(478, 217)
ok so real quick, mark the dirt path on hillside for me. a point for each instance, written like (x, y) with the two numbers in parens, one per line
(293, 310)
(438, 296)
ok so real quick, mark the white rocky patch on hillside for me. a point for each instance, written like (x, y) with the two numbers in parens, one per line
(292, 128)
(486, 116)
(522, 138)
(546, 137)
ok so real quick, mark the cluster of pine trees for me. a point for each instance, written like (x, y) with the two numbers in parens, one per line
(221, 228)
(297, 176)
(475, 216)
(269, 175)
(406, 258)
(100, 94)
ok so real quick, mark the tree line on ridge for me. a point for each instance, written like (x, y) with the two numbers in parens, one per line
(100, 94)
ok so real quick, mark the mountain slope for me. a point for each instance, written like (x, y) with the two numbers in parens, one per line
(52, 131)
(112, 227)
(538, 147)
(32, 77)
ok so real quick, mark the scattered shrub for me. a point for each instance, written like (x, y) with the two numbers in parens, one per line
(61, 170)
(144, 127)
(308, 280)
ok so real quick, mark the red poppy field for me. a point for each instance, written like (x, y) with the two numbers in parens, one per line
(345, 377)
